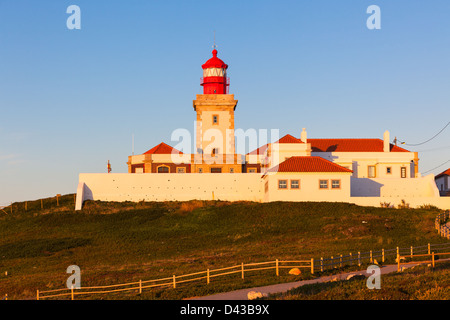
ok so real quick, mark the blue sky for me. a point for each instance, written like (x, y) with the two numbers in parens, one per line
(70, 100)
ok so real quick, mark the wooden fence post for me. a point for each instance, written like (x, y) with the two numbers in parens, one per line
(382, 255)
(174, 282)
(276, 267)
(11, 208)
(312, 265)
(351, 259)
(359, 259)
(242, 268)
(71, 292)
(42, 204)
(140, 286)
(411, 250)
(398, 262)
(321, 264)
(37, 295)
(432, 259)
(371, 257)
(207, 276)
(429, 249)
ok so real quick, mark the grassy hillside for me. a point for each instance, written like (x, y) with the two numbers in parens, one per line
(121, 242)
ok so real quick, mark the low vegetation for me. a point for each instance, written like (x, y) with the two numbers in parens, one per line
(122, 242)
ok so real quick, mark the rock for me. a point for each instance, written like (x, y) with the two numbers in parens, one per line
(375, 261)
(295, 271)
(252, 295)
(334, 279)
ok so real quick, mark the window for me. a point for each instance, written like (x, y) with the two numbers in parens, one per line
(403, 172)
(388, 170)
(216, 170)
(335, 184)
(251, 170)
(181, 170)
(295, 184)
(323, 184)
(215, 151)
(200, 170)
(282, 184)
(215, 119)
(163, 169)
(231, 170)
(371, 171)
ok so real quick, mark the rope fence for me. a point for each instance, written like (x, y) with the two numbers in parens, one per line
(10, 208)
(175, 280)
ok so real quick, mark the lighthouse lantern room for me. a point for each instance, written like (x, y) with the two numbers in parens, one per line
(214, 80)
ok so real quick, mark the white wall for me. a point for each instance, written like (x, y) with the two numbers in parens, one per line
(251, 187)
(442, 181)
(394, 187)
(171, 187)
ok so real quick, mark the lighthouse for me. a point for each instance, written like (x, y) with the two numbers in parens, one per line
(215, 146)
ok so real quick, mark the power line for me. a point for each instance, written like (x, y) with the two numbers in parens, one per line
(418, 144)
(437, 166)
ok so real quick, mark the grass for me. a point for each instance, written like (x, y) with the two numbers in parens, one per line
(123, 242)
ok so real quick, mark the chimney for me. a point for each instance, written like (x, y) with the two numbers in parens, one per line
(303, 136)
(386, 142)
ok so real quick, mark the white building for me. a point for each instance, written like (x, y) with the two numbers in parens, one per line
(443, 182)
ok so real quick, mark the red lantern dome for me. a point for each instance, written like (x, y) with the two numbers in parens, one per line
(214, 80)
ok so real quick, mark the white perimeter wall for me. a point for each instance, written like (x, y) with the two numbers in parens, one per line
(169, 187)
(250, 187)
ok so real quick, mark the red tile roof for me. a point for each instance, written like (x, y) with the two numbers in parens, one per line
(337, 145)
(350, 145)
(444, 173)
(163, 148)
(286, 139)
(308, 164)
(289, 139)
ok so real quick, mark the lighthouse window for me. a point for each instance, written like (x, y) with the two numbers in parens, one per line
(215, 119)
